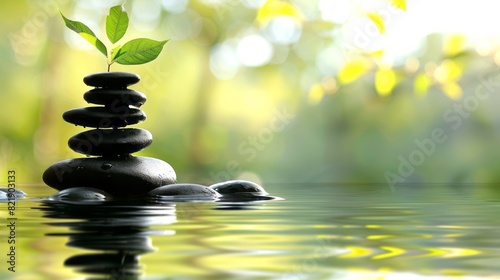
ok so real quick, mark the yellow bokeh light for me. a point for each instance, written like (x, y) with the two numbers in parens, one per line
(316, 94)
(275, 8)
(412, 64)
(454, 44)
(385, 81)
(448, 70)
(421, 84)
(452, 90)
(353, 70)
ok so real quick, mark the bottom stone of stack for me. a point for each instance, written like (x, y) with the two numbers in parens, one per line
(125, 176)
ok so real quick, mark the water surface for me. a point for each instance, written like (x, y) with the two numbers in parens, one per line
(320, 231)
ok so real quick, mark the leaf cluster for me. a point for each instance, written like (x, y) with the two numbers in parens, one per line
(136, 51)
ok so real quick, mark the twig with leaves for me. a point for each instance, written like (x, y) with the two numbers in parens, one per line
(136, 51)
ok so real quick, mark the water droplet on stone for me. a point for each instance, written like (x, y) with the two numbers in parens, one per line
(106, 166)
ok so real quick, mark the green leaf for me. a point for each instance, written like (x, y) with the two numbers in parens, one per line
(116, 23)
(139, 51)
(400, 4)
(86, 33)
(116, 52)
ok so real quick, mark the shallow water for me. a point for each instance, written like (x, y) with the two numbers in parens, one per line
(320, 231)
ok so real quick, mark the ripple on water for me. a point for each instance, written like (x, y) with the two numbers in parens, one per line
(318, 232)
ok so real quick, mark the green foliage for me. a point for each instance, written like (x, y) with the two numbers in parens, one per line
(86, 33)
(116, 23)
(136, 51)
(139, 51)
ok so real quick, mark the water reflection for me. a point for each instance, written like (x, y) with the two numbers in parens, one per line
(118, 232)
(319, 232)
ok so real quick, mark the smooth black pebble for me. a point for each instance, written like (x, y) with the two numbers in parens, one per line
(102, 117)
(17, 193)
(115, 97)
(238, 187)
(114, 80)
(80, 194)
(104, 142)
(119, 177)
(183, 189)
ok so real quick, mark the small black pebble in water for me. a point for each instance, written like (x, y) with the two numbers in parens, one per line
(185, 189)
(106, 166)
(238, 187)
(80, 194)
(5, 191)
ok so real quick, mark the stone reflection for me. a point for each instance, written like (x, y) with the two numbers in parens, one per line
(117, 233)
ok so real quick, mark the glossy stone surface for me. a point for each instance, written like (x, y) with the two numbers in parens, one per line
(80, 194)
(238, 187)
(120, 177)
(111, 79)
(101, 117)
(4, 193)
(98, 142)
(115, 97)
(184, 189)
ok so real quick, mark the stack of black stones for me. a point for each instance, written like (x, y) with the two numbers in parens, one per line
(109, 169)
(114, 170)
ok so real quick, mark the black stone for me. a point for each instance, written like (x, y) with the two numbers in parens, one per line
(108, 142)
(113, 98)
(13, 193)
(113, 80)
(79, 195)
(125, 176)
(102, 117)
(238, 187)
(185, 189)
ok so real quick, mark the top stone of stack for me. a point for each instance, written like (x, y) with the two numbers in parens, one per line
(111, 80)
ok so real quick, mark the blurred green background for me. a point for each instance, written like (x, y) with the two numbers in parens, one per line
(271, 91)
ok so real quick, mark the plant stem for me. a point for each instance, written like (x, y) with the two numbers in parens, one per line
(109, 65)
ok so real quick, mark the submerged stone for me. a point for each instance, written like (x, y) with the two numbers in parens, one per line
(103, 117)
(238, 187)
(98, 142)
(118, 176)
(111, 79)
(4, 193)
(115, 97)
(80, 194)
(185, 189)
